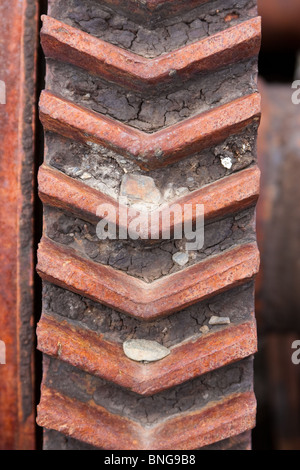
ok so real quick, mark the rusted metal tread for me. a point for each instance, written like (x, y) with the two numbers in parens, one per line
(78, 405)
(194, 357)
(63, 42)
(63, 267)
(225, 196)
(280, 24)
(91, 308)
(54, 440)
(98, 427)
(241, 442)
(149, 150)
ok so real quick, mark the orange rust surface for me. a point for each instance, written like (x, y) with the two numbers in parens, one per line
(149, 150)
(18, 25)
(225, 196)
(280, 23)
(62, 266)
(63, 42)
(96, 426)
(88, 351)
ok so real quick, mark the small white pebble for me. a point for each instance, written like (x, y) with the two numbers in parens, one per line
(180, 258)
(226, 162)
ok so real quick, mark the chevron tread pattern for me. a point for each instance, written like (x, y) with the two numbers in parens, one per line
(201, 97)
(149, 151)
(225, 196)
(62, 42)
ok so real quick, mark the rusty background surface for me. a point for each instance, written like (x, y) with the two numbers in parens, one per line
(18, 45)
(280, 23)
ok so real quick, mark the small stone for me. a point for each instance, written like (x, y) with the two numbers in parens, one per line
(180, 258)
(204, 329)
(226, 162)
(182, 191)
(219, 321)
(85, 176)
(138, 188)
(70, 171)
(169, 192)
(143, 350)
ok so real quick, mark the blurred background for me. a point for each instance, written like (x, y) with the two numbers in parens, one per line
(277, 379)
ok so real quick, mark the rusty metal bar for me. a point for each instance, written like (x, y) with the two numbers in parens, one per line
(18, 47)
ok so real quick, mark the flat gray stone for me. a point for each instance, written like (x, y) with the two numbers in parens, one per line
(86, 176)
(219, 321)
(180, 258)
(143, 350)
